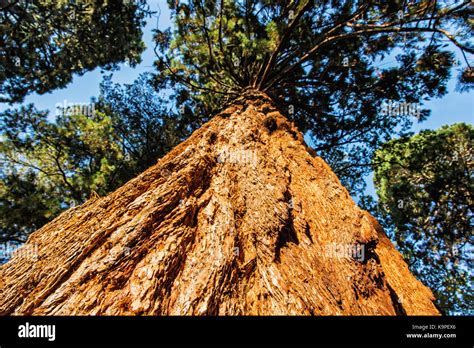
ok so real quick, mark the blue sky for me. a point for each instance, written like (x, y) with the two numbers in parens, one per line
(453, 108)
(84, 87)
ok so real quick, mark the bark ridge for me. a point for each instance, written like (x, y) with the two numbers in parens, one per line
(239, 219)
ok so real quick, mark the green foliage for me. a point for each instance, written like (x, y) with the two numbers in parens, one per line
(141, 120)
(319, 59)
(426, 193)
(25, 205)
(47, 167)
(44, 43)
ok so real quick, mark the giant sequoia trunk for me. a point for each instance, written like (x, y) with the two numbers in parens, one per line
(238, 219)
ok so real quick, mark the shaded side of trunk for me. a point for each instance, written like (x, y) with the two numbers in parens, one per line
(238, 219)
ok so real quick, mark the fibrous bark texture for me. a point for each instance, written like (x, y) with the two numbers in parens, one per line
(240, 219)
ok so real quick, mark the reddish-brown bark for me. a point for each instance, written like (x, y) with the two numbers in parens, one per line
(240, 219)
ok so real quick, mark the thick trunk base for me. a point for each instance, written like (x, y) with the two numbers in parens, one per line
(240, 219)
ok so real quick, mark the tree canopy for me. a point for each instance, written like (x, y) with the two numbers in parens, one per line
(43, 43)
(426, 198)
(320, 60)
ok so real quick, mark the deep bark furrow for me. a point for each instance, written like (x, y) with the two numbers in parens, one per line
(239, 219)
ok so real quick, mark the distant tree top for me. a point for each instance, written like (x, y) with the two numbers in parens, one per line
(44, 43)
(301, 51)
